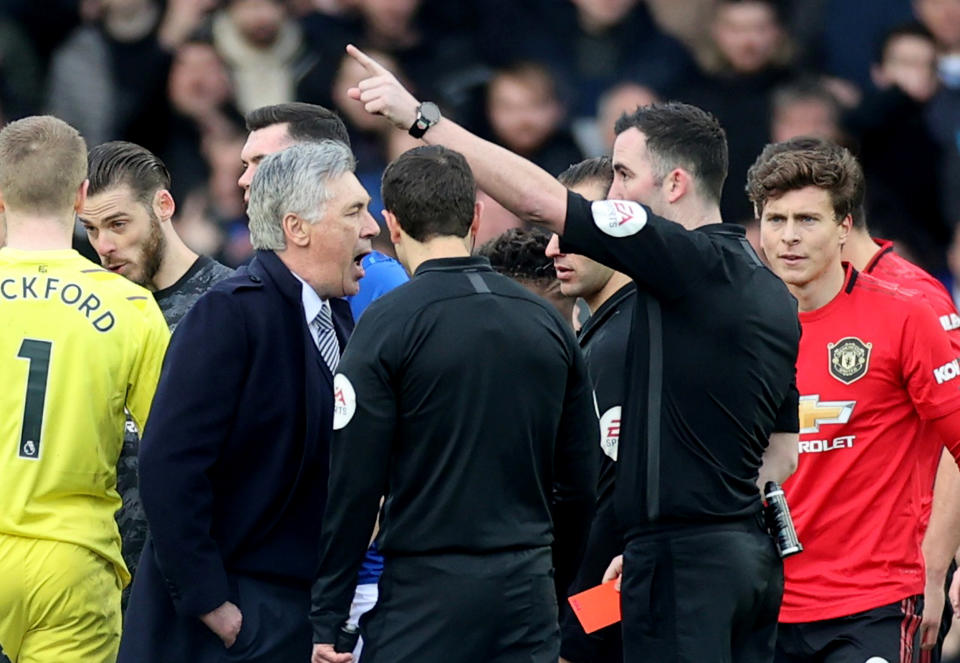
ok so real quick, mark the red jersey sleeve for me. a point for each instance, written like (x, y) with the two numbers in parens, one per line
(948, 428)
(931, 369)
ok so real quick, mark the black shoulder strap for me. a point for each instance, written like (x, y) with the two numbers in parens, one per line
(478, 283)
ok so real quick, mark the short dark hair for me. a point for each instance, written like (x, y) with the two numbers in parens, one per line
(431, 191)
(805, 161)
(119, 162)
(520, 254)
(776, 6)
(597, 169)
(908, 29)
(532, 74)
(679, 135)
(803, 89)
(305, 122)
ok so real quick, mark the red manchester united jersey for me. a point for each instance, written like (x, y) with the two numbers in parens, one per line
(888, 266)
(874, 364)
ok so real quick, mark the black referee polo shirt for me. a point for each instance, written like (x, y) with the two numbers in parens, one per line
(604, 339)
(464, 400)
(711, 363)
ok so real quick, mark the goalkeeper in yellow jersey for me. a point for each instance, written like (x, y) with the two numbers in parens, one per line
(79, 345)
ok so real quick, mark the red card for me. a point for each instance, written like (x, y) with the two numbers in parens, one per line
(597, 607)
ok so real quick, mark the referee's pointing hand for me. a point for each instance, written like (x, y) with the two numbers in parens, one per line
(381, 93)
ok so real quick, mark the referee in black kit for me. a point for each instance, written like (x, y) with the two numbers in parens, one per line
(711, 402)
(464, 400)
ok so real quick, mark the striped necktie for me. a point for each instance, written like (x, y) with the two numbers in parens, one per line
(326, 337)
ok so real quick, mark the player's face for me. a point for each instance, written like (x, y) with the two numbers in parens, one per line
(261, 143)
(801, 237)
(125, 233)
(341, 239)
(633, 174)
(580, 276)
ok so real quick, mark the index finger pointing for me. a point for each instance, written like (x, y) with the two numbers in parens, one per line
(365, 60)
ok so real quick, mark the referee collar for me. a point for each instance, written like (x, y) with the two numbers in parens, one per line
(730, 229)
(606, 310)
(459, 264)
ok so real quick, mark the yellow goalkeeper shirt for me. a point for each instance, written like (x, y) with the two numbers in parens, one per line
(78, 346)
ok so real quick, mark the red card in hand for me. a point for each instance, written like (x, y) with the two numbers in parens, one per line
(597, 607)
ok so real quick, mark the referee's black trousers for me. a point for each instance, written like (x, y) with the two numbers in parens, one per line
(701, 593)
(493, 608)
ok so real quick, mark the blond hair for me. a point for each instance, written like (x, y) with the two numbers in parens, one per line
(43, 162)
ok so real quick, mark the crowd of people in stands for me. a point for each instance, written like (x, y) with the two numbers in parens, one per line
(544, 78)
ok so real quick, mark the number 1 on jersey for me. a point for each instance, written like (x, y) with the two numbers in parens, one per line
(38, 354)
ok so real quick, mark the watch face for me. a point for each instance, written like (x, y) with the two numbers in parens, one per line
(429, 113)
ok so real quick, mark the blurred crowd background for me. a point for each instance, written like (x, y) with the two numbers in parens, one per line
(544, 78)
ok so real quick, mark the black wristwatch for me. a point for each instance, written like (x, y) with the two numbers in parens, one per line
(427, 115)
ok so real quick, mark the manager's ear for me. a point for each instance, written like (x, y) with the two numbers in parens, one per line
(296, 229)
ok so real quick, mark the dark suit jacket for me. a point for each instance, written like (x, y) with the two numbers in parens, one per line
(234, 459)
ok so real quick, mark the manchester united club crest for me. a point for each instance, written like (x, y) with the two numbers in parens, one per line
(849, 359)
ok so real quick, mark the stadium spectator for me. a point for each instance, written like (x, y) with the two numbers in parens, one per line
(942, 19)
(202, 106)
(21, 80)
(79, 347)
(614, 102)
(526, 115)
(752, 54)
(233, 521)
(839, 39)
(264, 49)
(901, 158)
(590, 44)
(109, 78)
(430, 41)
(805, 107)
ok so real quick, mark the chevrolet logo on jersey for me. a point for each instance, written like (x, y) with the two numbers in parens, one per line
(814, 412)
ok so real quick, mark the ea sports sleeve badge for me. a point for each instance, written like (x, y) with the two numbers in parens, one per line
(344, 401)
(618, 218)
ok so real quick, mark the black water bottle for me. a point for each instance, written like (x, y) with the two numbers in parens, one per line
(779, 520)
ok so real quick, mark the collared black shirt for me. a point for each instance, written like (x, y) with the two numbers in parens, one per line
(465, 401)
(711, 363)
(604, 340)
